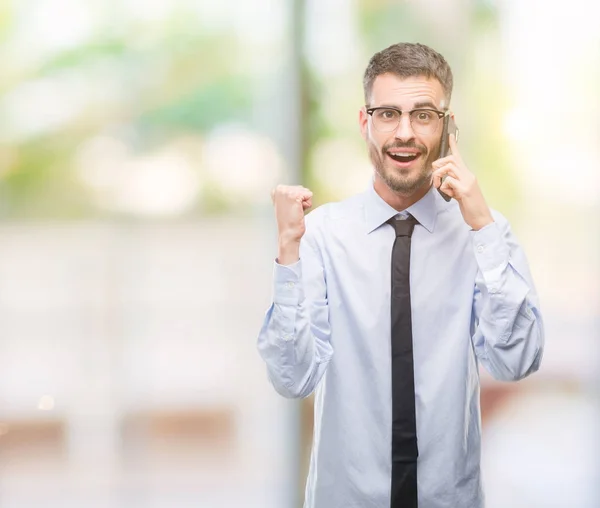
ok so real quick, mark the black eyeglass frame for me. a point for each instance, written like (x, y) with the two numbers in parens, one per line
(440, 114)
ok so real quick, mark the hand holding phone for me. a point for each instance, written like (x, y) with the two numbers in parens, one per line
(449, 128)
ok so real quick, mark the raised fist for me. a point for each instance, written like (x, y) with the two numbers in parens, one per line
(290, 202)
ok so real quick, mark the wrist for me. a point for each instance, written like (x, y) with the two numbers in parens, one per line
(288, 251)
(481, 222)
(476, 213)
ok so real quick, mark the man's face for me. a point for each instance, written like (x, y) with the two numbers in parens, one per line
(409, 174)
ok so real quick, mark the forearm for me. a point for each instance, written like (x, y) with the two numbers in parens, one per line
(293, 345)
(509, 336)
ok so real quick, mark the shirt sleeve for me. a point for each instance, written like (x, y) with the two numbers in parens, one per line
(508, 331)
(294, 340)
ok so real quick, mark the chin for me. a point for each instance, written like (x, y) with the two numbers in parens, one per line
(405, 177)
(406, 186)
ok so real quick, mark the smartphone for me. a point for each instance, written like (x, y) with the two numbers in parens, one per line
(449, 128)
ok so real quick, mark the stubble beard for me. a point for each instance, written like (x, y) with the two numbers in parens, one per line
(403, 181)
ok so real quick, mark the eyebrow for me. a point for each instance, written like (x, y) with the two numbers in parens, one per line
(418, 105)
(426, 104)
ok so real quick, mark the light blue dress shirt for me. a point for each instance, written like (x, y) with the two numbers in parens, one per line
(328, 330)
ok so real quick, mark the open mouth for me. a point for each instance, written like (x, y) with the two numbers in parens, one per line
(403, 158)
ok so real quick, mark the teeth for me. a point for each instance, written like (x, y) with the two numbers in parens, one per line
(404, 155)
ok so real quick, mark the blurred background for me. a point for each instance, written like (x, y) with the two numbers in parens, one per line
(139, 140)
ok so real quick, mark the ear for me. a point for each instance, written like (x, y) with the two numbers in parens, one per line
(363, 122)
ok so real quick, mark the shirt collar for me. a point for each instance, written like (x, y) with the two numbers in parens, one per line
(378, 212)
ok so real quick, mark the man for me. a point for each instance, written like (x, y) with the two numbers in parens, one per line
(387, 302)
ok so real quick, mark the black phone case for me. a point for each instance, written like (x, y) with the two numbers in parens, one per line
(449, 128)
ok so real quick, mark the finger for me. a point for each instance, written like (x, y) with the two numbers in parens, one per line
(306, 204)
(448, 169)
(454, 147)
(439, 174)
(298, 190)
(443, 161)
(296, 193)
(282, 191)
(451, 186)
(303, 196)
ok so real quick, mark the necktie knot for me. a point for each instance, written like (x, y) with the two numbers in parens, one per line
(404, 227)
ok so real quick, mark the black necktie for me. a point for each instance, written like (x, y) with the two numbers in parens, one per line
(404, 427)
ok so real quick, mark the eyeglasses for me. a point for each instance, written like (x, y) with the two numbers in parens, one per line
(423, 121)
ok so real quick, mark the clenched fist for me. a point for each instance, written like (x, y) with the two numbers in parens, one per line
(290, 202)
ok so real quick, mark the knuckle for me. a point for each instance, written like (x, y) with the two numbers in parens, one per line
(280, 190)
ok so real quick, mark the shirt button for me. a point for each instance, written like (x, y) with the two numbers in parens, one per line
(289, 285)
(480, 248)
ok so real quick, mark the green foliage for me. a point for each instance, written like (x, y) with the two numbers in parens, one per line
(176, 79)
(385, 23)
(222, 101)
(179, 81)
(81, 56)
(42, 185)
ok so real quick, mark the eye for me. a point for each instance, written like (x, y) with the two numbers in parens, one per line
(387, 115)
(425, 116)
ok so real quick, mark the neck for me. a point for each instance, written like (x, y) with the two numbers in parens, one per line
(396, 200)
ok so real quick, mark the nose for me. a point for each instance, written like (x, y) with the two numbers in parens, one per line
(404, 130)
